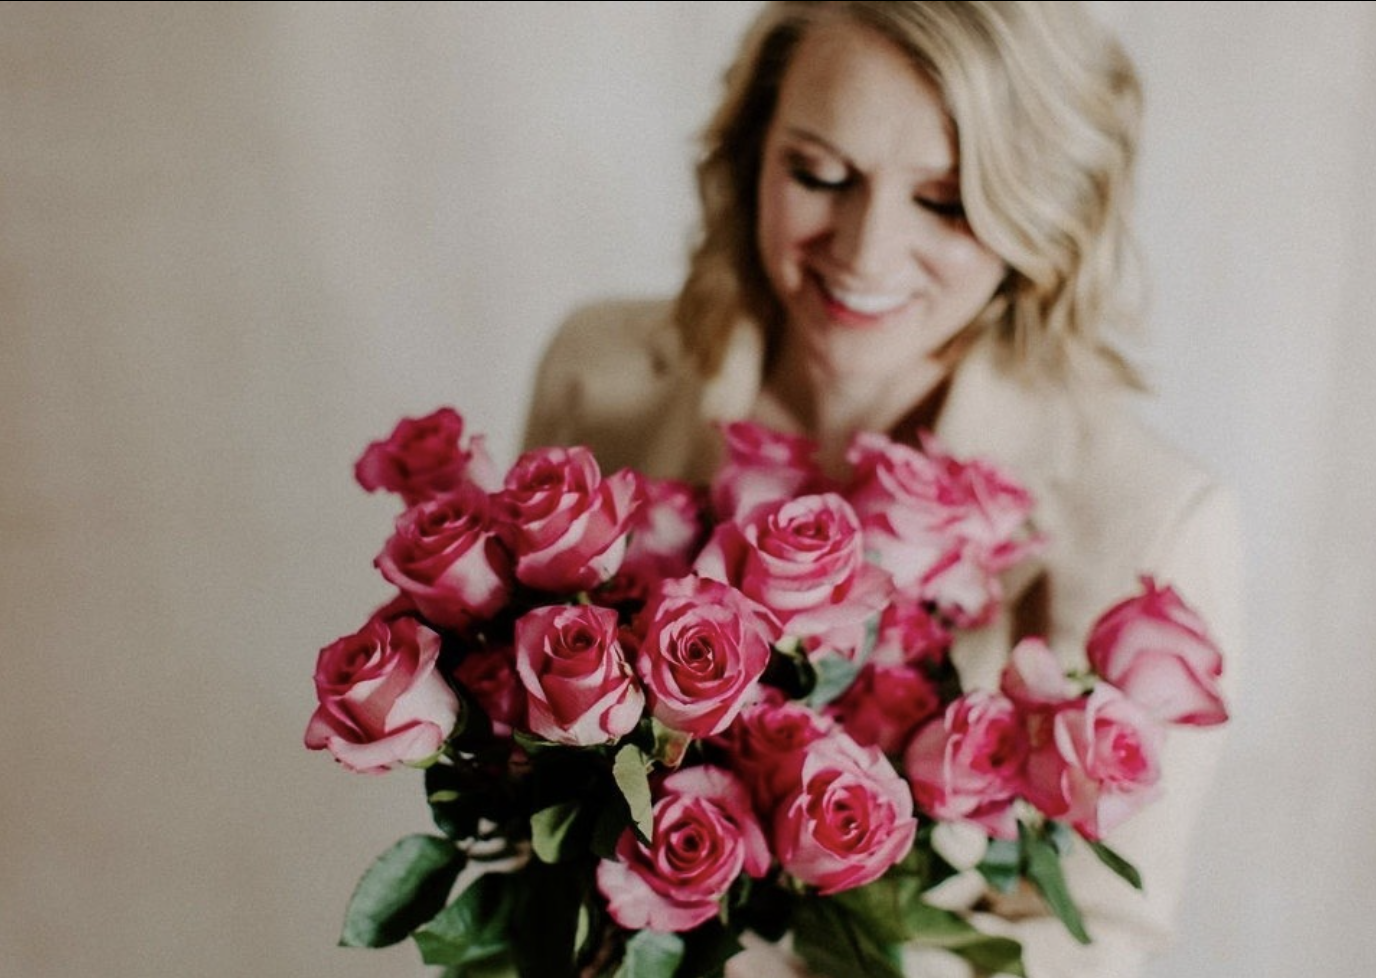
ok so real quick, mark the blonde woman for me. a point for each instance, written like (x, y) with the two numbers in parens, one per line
(917, 214)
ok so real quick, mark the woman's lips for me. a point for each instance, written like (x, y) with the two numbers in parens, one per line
(859, 308)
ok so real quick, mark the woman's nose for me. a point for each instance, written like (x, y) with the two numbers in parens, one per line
(871, 238)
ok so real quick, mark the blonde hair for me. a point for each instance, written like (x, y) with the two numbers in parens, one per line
(1045, 107)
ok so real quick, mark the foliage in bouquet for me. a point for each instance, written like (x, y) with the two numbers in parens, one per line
(652, 716)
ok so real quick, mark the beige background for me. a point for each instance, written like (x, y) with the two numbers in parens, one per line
(237, 241)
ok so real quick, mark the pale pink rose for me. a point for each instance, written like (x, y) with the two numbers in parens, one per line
(909, 634)
(450, 557)
(489, 675)
(702, 648)
(850, 820)
(884, 705)
(1157, 650)
(943, 526)
(1034, 678)
(571, 524)
(425, 457)
(665, 535)
(767, 743)
(762, 466)
(705, 835)
(803, 559)
(580, 688)
(381, 699)
(966, 765)
(1095, 762)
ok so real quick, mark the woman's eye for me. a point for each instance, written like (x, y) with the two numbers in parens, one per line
(810, 180)
(952, 210)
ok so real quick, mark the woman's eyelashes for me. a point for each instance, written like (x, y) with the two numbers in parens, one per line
(823, 180)
(951, 210)
(810, 179)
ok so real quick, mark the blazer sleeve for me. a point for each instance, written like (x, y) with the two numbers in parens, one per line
(1199, 555)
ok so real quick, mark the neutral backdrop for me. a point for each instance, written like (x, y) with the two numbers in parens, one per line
(238, 241)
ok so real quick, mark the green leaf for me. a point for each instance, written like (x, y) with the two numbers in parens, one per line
(472, 928)
(881, 905)
(935, 927)
(406, 886)
(670, 745)
(632, 772)
(1002, 864)
(1116, 863)
(549, 827)
(834, 676)
(651, 954)
(1044, 870)
(834, 942)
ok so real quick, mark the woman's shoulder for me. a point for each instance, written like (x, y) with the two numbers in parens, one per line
(614, 332)
(603, 375)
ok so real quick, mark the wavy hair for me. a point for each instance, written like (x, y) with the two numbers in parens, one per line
(1046, 108)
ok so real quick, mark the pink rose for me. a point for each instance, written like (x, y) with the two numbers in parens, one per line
(942, 526)
(802, 559)
(909, 635)
(966, 765)
(425, 457)
(381, 699)
(850, 819)
(705, 835)
(884, 705)
(449, 557)
(571, 523)
(1094, 762)
(580, 689)
(762, 466)
(767, 743)
(1034, 678)
(665, 535)
(702, 650)
(489, 676)
(1157, 650)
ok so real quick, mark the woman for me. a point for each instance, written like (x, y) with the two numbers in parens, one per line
(915, 215)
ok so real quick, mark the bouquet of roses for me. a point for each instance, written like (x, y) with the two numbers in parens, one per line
(653, 715)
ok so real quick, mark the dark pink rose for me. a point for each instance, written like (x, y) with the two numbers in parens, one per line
(966, 765)
(1157, 650)
(942, 526)
(1094, 762)
(850, 819)
(705, 835)
(580, 688)
(571, 524)
(703, 647)
(425, 457)
(762, 466)
(767, 743)
(909, 634)
(381, 699)
(802, 559)
(1034, 678)
(449, 557)
(665, 536)
(884, 705)
(489, 675)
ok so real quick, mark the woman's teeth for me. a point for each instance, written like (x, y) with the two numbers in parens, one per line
(868, 303)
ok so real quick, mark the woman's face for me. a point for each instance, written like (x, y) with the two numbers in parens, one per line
(861, 228)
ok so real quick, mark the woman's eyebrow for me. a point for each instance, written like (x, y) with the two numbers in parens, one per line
(804, 134)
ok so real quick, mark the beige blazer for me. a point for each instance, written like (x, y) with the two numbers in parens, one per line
(1114, 500)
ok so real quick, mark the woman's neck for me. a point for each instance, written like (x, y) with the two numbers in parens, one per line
(804, 397)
